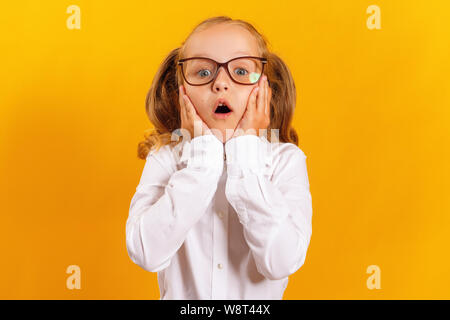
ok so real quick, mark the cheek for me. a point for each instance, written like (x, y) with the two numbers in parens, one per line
(244, 98)
(197, 99)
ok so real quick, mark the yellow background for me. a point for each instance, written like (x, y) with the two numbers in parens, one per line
(372, 114)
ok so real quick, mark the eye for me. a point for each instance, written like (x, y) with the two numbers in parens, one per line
(201, 72)
(239, 71)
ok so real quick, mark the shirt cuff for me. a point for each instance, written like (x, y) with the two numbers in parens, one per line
(248, 153)
(202, 152)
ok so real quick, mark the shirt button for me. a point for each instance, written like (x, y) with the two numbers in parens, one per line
(220, 266)
(221, 214)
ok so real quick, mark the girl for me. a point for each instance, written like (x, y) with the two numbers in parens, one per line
(223, 213)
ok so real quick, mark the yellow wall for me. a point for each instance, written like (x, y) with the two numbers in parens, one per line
(373, 118)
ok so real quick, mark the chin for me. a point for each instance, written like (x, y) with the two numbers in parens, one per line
(223, 138)
(223, 134)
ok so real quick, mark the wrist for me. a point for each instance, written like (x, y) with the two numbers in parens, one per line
(247, 152)
(203, 152)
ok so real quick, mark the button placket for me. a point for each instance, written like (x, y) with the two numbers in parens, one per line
(220, 244)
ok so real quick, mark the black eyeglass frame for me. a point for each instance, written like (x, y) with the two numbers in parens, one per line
(219, 64)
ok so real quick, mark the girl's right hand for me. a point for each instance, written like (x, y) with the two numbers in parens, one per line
(189, 115)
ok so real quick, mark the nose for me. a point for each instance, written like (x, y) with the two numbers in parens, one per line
(222, 81)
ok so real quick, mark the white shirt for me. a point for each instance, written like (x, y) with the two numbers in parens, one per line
(221, 221)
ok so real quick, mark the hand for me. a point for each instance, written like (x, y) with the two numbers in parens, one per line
(189, 115)
(257, 113)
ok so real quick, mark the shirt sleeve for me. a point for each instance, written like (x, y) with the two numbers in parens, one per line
(276, 214)
(161, 211)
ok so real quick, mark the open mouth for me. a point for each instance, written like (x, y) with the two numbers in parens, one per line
(222, 109)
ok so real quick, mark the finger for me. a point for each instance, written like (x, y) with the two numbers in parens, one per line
(254, 97)
(189, 107)
(266, 89)
(236, 131)
(239, 124)
(180, 97)
(188, 113)
(180, 94)
(206, 129)
(269, 98)
(260, 100)
(266, 95)
(181, 102)
(194, 116)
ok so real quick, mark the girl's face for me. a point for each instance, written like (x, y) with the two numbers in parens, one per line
(221, 42)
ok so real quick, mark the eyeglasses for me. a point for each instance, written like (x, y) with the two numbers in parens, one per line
(198, 71)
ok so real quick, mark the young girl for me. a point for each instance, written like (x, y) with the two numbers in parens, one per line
(223, 213)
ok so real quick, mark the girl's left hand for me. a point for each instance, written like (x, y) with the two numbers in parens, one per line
(257, 113)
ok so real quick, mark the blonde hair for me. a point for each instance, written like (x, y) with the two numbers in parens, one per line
(162, 106)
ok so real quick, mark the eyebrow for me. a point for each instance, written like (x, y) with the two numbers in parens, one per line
(206, 55)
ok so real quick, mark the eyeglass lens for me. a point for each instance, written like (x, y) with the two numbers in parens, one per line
(243, 70)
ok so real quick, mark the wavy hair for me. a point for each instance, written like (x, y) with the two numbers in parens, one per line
(162, 105)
